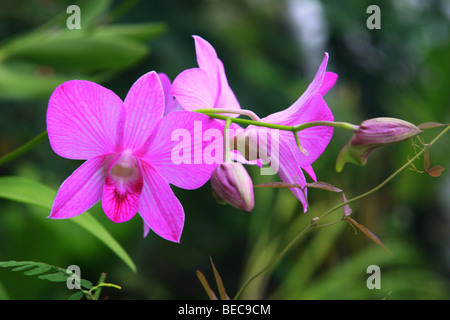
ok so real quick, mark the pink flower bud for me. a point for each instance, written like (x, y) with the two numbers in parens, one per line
(381, 131)
(372, 134)
(232, 184)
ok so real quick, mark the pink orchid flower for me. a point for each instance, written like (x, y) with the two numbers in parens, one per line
(170, 102)
(207, 87)
(308, 108)
(127, 145)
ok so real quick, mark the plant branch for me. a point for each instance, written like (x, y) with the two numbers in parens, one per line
(213, 113)
(247, 113)
(23, 148)
(226, 135)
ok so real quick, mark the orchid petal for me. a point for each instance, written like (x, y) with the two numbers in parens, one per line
(313, 140)
(159, 207)
(292, 174)
(81, 190)
(166, 85)
(193, 89)
(171, 104)
(226, 99)
(207, 60)
(197, 137)
(328, 82)
(206, 86)
(83, 120)
(322, 82)
(309, 170)
(144, 106)
(120, 199)
(283, 160)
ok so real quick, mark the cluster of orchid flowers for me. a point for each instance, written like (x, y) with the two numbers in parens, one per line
(129, 146)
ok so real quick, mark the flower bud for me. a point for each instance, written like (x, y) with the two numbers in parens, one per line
(372, 134)
(232, 184)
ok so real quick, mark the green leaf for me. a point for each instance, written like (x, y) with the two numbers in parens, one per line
(78, 50)
(436, 171)
(86, 284)
(76, 296)
(39, 269)
(429, 125)
(27, 81)
(61, 275)
(353, 155)
(103, 48)
(92, 12)
(9, 264)
(222, 293)
(212, 296)
(54, 277)
(205, 284)
(21, 268)
(90, 224)
(140, 32)
(30, 192)
(3, 294)
(367, 232)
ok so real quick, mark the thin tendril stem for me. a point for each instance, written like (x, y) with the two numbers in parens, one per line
(23, 148)
(312, 224)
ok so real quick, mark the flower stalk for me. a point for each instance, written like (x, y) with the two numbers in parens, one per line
(226, 145)
(23, 148)
(215, 113)
(94, 292)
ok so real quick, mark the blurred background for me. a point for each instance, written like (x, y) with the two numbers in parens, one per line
(271, 50)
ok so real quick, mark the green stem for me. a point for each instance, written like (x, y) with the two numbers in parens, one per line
(313, 225)
(94, 292)
(328, 224)
(342, 125)
(213, 113)
(246, 121)
(297, 140)
(247, 113)
(226, 142)
(23, 148)
(98, 287)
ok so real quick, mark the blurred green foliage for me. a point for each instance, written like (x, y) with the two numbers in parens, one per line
(270, 50)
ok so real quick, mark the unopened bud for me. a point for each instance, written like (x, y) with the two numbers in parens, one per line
(232, 184)
(372, 134)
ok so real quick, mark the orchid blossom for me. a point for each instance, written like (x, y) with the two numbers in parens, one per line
(127, 145)
(207, 87)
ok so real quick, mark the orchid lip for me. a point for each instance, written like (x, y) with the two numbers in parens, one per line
(125, 168)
